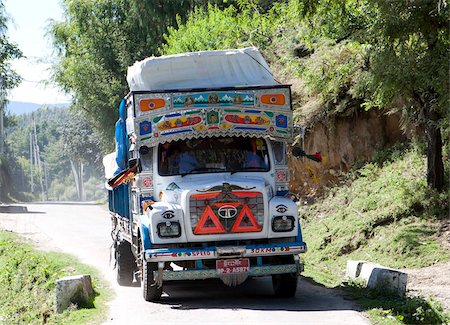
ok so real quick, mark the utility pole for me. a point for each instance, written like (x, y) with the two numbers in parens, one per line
(46, 181)
(31, 163)
(37, 158)
(2, 109)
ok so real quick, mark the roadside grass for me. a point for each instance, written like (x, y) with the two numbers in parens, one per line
(382, 212)
(28, 280)
(384, 308)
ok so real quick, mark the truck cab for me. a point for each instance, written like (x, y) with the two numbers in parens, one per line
(205, 191)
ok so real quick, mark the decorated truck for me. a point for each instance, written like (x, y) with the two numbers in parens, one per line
(198, 185)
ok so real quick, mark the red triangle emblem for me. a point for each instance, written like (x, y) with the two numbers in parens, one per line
(246, 212)
(208, 214)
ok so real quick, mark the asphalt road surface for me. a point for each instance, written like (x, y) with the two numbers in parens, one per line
(84, 231)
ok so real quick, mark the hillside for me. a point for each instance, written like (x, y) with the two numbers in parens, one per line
(20, 108)
(383, 212)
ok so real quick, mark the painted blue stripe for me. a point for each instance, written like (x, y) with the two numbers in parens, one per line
(248, 128)
(213, 248)
(252, 111)
(259, 261)
(173, 115)
(176, 132)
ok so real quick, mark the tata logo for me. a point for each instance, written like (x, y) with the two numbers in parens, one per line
(227, 212)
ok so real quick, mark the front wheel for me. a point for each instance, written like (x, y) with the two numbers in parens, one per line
(126, 263)
(150, 289)
(284, 285)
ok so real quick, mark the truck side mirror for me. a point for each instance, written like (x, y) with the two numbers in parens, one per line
(297, 152)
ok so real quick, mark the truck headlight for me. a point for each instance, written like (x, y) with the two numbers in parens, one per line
(169, 229)
(283, 223)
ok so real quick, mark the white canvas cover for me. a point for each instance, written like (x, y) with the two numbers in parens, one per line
(205, 69)
(110, 164)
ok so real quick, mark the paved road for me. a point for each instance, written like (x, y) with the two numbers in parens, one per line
(84, 230)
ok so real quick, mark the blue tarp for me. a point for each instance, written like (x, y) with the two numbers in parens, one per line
(121, 139)
(118, 197)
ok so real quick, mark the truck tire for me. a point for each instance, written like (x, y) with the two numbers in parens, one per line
(150, 289)
(126, 263)
(284, 285)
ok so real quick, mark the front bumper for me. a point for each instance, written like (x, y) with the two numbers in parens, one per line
(161, 256)
(213, 252)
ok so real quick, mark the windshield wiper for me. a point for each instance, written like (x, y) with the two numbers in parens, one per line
(202, 169)
(253, 169)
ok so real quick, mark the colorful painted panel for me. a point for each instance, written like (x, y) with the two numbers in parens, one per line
(222, 113)
(247, 119)
(282, 175)
(179, 122)
(214, 99)
(145, 127)
(281, 121)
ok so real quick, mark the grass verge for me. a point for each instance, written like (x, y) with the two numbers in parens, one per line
(382, 212)
(27, 285)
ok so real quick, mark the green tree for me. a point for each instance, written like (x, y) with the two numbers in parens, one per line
(405, 60)
(98, 41)
(81, 146)
(8, 80)
(410, 62)
(8, 51)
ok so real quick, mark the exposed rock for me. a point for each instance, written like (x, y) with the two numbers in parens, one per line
(342, 141)
(73, 290)
(378, 277)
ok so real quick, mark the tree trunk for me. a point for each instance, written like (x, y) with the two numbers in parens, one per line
(435, 165)
(82, 195)
(76, 178)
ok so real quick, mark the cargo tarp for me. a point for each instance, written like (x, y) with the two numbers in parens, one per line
(205, 69)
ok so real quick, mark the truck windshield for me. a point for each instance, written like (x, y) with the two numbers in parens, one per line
(213, 155)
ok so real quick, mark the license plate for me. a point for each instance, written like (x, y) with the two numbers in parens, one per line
(232, 266)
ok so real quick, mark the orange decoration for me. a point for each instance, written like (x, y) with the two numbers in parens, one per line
(200, 229)
(246, 212)
(245, 194)
(273, 99)
(151, 104)
(205, 195)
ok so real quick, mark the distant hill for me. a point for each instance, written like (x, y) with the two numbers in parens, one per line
(19, 108)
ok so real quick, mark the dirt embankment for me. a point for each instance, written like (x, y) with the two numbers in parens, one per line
(342, 141)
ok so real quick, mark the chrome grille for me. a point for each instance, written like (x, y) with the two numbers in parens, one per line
(226, 212)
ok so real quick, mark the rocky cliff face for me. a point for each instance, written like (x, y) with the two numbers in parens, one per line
(342, 141)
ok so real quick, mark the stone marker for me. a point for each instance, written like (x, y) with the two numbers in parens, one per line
(353, 268)
(378, 277)
(75, 289)
(13, 209)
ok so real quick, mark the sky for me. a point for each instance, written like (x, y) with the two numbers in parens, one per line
(27, 29)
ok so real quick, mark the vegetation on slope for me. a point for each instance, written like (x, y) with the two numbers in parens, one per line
(382, 212)
(27, 286)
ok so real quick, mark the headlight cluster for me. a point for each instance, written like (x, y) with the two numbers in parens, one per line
(283, 223)
(169, 229)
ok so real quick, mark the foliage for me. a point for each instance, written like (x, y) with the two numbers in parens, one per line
(384, 212)
(253, 23)
(27, 283)
(385, 308)
(8, 51)
(64, 189)
(8, 80)
(213, 29)
(62, 136)
(97, 42)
